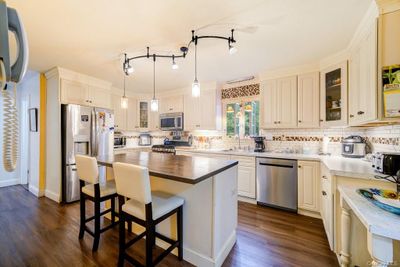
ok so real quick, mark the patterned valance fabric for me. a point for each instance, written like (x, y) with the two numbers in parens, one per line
(241, 91)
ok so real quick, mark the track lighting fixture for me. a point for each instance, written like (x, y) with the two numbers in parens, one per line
(124, 99)
(128, 69)
(195, 84)
(154, 101)
(232, 49)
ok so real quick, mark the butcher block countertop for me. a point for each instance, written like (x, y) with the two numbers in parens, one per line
(191, 170)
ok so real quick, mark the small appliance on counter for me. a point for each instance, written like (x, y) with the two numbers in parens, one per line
(167, 149)
(179, 138)
(259, 145)
(353, 146)
(386, 163)
(171, 121)
(145, 139)
(119, 140)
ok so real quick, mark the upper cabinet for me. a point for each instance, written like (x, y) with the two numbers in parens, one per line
(143, 111)
(308, 100)
(279, 103)
(200, 113)
(334, 95)
(119, 113)
(171, 104)
(131, 115)
(363, 104)
(99, 97)
(74, 92)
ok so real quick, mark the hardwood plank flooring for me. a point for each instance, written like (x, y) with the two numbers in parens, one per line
(39, 232)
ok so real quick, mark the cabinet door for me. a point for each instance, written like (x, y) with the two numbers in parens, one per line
(154, 120)
(246, 181)
(334, 95)
(99, 97)
(208, 110)
(308, 100)
(73, 92)
(287, 102)
(354, 86)
(131, 115)
(119, 113)
(192, 114)
(269, 104)
(308, 185)
(326, 198)
(143, 113)
(171, 104)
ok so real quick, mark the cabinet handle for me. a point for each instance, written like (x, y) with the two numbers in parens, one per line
(323, 193)
(351, 116)
(299, 121)
(299, 166)
(360, 112)
(279, 122)
(171, 109)
(324, 177)
(274, 122)
(321, 120)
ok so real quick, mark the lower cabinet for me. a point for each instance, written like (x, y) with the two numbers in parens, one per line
(326, 197)
(308, 185)
(246, 171)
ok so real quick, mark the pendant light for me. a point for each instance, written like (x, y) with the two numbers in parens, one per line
(154, 101)
(174, 65)
(124, 99)
(196, 84)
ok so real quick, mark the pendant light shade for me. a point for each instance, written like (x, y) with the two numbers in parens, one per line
(124, 99)
(124, 102)
(154, 101)
(196, 88)
(154, 105)
(195, 84)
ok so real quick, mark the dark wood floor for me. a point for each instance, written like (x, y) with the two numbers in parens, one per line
(39, 232)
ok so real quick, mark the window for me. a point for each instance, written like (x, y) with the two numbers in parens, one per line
(242, 117)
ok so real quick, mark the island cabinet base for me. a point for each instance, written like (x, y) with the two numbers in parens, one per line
(209, 217)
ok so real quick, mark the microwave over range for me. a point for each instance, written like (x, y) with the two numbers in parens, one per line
(171, 121)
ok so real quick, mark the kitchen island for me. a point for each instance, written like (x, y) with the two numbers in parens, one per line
(209, 187)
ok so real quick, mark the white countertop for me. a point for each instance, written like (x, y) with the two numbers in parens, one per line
(376, 220)
(337, 165)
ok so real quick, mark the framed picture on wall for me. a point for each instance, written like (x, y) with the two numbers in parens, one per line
(33, 127)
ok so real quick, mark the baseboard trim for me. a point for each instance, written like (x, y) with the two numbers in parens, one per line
(9, 182)
(226, 249)
(34, 190)
(247, 200)
(51, 195)
(309, 213)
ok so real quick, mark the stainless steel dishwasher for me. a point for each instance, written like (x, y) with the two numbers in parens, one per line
(277, 183)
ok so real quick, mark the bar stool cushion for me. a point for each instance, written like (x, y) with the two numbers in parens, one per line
(105, 189)
(162, 203)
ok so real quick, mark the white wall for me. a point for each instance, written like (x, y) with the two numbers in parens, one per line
(30, 88)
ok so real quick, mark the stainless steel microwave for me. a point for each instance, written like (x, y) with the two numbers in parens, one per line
(171, 121)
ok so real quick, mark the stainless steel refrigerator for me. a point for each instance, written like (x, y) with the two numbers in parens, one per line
(88, 131)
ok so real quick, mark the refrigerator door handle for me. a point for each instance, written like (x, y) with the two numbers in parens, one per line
(93, 127)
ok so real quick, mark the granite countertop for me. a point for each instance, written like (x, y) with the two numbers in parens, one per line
(376, 220)
(191, 170)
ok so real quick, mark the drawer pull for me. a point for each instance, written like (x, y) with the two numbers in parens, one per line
(324, 177)
(360, 112)
(351, 116)
(323, 193)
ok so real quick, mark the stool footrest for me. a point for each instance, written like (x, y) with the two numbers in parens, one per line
(101, 214)
(134, 240)
(90, 232)
(165, 253)
(166, 239)
(108, 227)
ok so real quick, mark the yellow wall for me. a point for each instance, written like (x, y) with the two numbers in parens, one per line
(42, 121)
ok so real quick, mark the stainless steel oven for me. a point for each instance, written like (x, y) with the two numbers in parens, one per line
(171, 121)
(119, 141)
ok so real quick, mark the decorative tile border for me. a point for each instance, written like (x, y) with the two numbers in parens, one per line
(241, 91)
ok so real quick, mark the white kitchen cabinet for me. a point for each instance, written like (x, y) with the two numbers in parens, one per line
(119, 113)
(171, 104)
(246, 176)
(200, 113)
(334, 95)
(326, 198)
(279, 103)
(308, 100)
(143, 115)
(308, 185)
(363, 105)
(131, 115)
(99, 97)
(154, 121)
(74, 92)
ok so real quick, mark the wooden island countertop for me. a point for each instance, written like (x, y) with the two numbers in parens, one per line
(186, 169)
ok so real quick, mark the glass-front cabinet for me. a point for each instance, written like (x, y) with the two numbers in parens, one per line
(143, 112)
(334, 95)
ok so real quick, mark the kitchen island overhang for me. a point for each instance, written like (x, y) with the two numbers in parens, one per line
(209, 187)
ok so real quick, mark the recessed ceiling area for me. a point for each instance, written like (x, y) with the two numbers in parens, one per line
(90, 36)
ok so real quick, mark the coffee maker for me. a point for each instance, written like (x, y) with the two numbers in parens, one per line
(259, 143)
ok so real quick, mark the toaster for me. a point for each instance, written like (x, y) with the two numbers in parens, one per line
(353, 147)
(386, 163)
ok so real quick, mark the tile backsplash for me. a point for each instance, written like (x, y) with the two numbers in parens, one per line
(384, 138)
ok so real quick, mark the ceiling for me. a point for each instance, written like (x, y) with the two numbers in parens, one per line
(90, 36)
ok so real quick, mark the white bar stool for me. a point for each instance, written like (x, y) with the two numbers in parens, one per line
(147, 209)
(88, 172)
